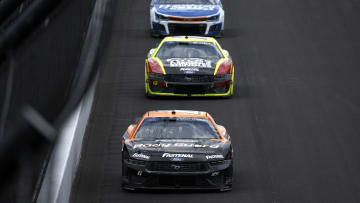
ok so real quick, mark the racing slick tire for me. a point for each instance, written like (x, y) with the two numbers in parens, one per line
(147, 93)
(150, 96)
(124, 171)
(228, 97)
(230, 173)
(231, 95)
(153, 34)
(220, 35)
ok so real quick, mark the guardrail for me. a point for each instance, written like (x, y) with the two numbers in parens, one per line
(10, 10)
(56, 186)
(20, 17)
(51, 77)
(57, 183)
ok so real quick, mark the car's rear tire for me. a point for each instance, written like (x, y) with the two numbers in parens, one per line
(229, 174)
(125, 156)
(153, 34)
(150, 96)
(228, 97)
(231, 95)
(220, 35)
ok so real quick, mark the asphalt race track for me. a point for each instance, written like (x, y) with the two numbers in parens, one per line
(294, 120)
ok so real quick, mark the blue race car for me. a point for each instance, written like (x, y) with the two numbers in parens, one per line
(187, 17)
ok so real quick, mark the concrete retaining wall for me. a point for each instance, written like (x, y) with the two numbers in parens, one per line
(63, 163)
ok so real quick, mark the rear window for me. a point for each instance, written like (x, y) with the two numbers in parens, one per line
(176, 128)
(207, 50)
(201, 2)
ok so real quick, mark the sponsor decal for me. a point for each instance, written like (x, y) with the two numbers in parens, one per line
(168, 155)
(203, 43)
(136, 155)
(168, 145)
(187, 7)
(151, 145)
(177, 159)
(183, 111)
(183, 145)
(189, 62)
(197, 37)
(189, 69)
(177, 140)
(217, 156)
(188, 112)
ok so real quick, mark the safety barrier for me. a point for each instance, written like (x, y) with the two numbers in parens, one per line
(57, 183)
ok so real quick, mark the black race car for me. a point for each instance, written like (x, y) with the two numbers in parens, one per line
(177, 150)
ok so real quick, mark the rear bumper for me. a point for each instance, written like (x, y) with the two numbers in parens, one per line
(187, 28)
(218, 178)
(160, 87)
(179, 187)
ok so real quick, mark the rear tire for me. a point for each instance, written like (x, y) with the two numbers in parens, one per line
(153, 34)
(228, 97)
(231, 95)
(125, 156)
(229, 174)
(150, 96)
(220, 35)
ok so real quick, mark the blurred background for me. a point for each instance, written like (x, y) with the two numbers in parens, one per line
(44, 72)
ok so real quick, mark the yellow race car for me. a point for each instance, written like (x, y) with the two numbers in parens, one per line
(189, 66)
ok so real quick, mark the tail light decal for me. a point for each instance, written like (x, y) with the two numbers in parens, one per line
(153, 66)
(225, 67)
